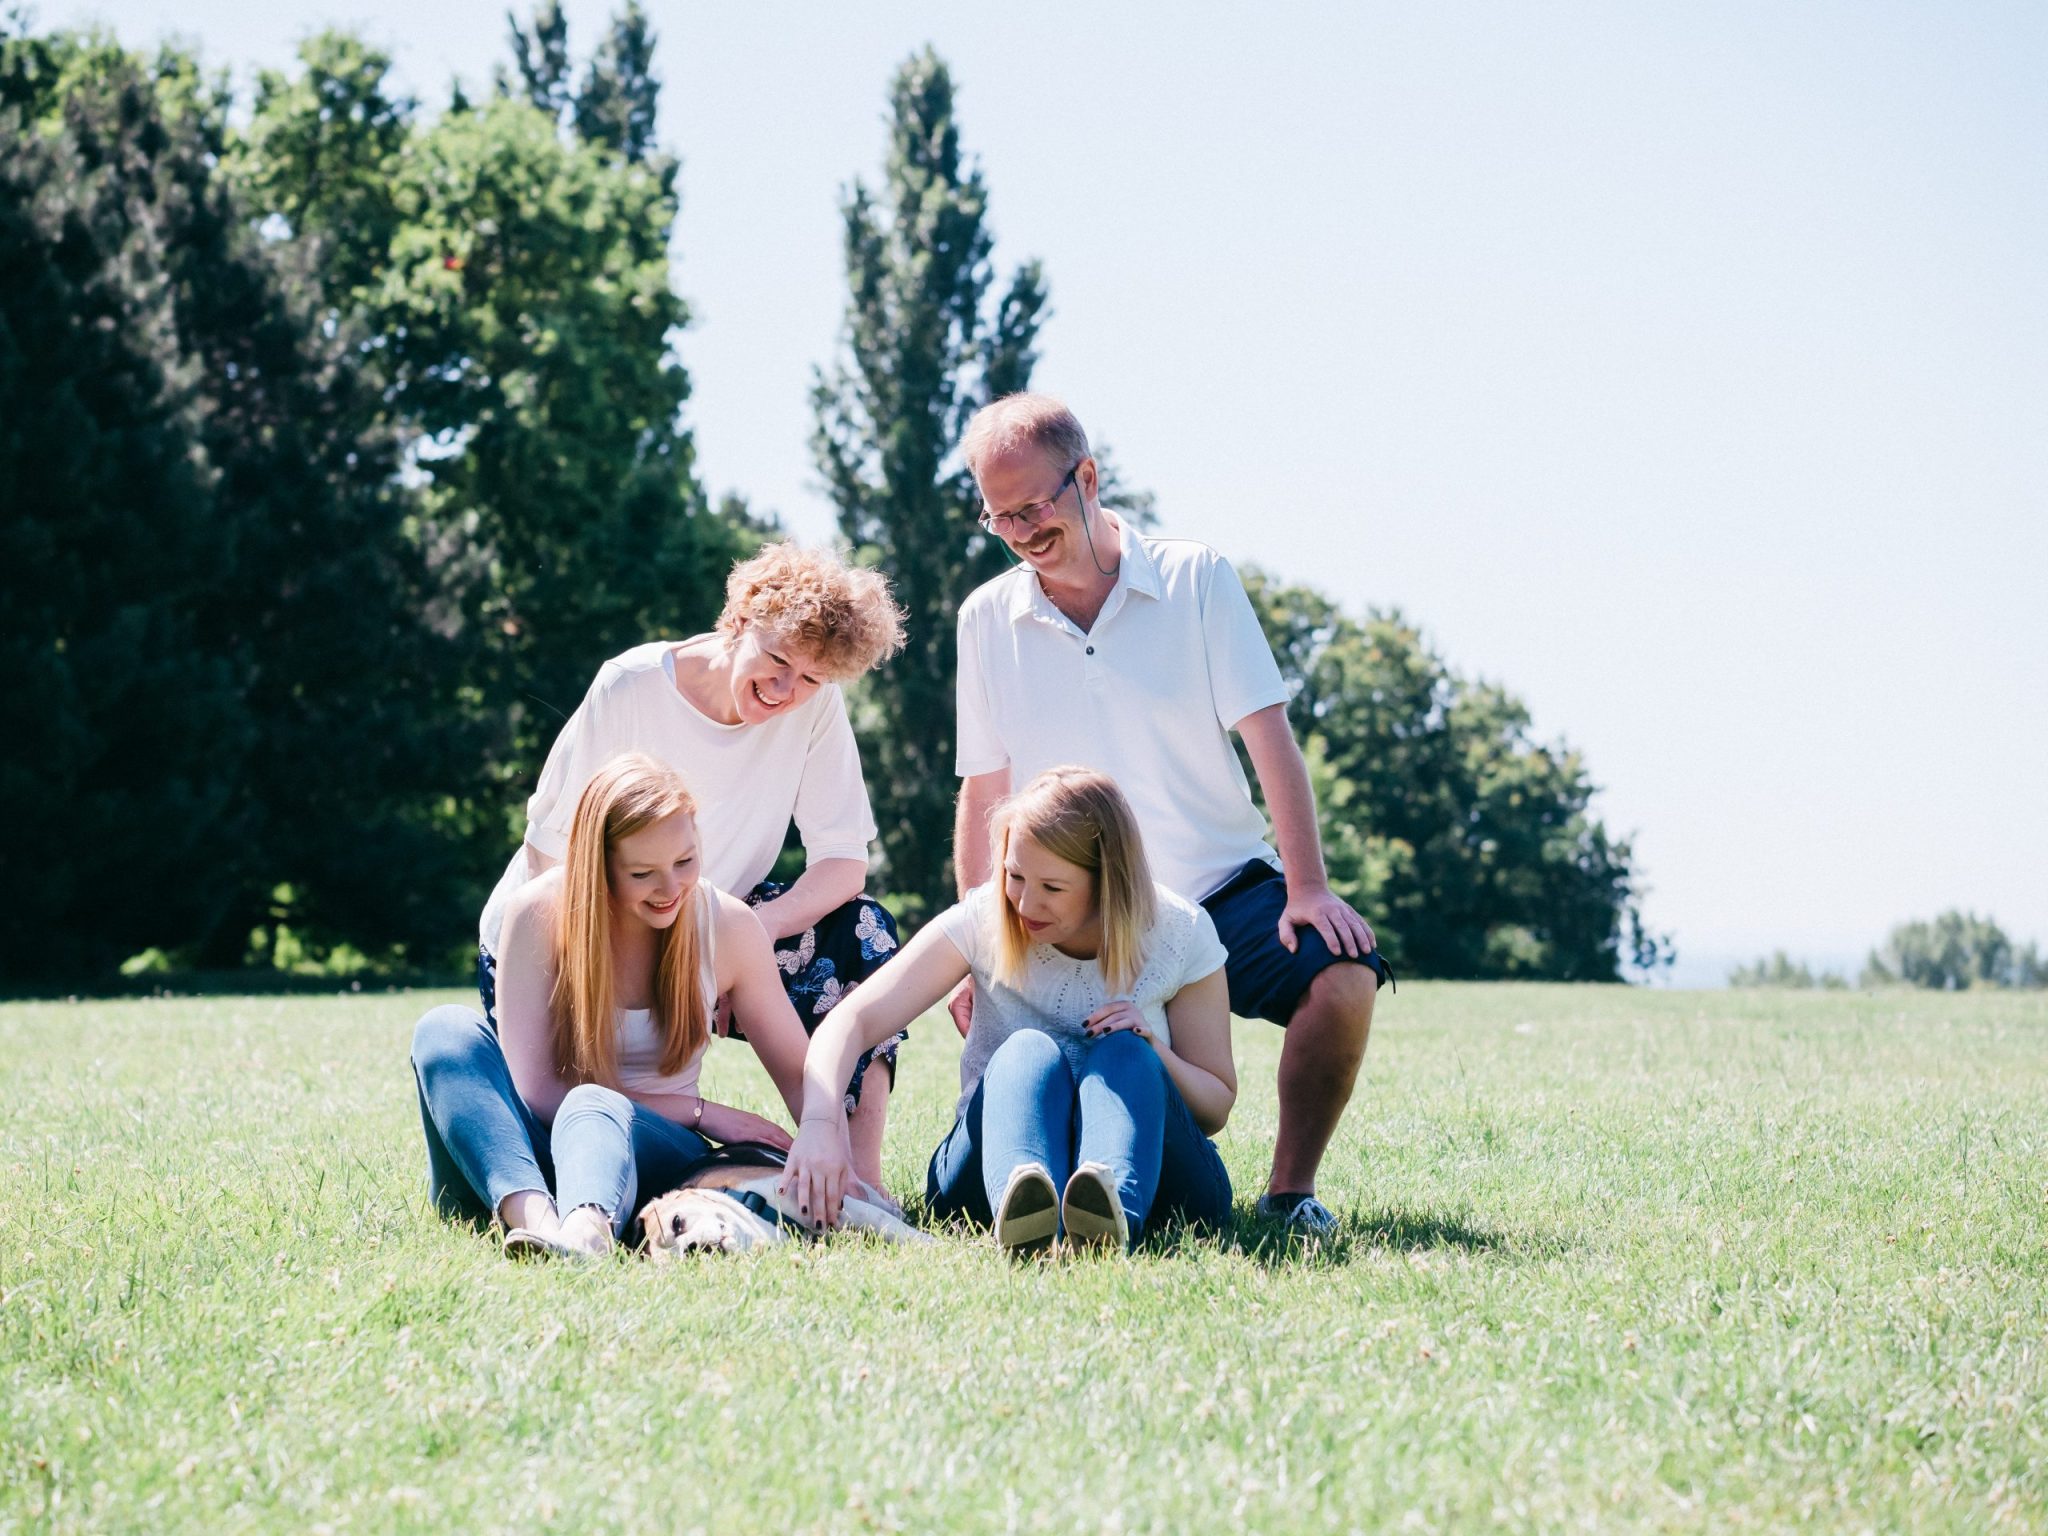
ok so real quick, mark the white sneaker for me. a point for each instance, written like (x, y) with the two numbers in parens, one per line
(1028, 1215)
(1301, 1213)
(1092, 1211)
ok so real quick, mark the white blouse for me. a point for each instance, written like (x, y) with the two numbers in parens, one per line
(1057, 992)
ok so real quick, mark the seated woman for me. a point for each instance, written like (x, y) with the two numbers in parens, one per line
(611, 968)
(751, 715)
(1098, 1063)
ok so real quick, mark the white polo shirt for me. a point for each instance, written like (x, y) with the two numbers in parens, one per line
(1148, 696)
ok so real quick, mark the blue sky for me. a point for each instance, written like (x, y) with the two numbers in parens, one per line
(1683, 368)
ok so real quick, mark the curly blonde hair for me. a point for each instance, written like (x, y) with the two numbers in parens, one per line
(843, 616)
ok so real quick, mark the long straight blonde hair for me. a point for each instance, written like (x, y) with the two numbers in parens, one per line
(628, 793)
(1078, 815)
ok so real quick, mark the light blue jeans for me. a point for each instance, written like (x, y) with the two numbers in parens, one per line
(483, 1143)
(1119, 1109)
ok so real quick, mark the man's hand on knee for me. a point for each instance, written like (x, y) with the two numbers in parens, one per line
(1320, 908)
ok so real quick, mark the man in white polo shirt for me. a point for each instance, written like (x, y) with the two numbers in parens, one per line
(1138, 657)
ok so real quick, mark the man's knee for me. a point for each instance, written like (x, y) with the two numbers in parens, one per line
(447, 1036)
(1337, 1007)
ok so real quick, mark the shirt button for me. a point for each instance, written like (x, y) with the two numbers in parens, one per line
(1091, 650)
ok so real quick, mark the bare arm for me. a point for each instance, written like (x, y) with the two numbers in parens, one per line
(1198, 1061)
(526, 982)
(821, 1163)
(973, 863)
(822, 887)
(1291, 799)
(708, 1117)
(747, 973)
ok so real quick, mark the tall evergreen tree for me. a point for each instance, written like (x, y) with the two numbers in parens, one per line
(616, 105)
(541, 56)
(923, 350)
(218, 641)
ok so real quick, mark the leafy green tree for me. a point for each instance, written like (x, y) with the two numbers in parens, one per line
(518, 292)
(924, 348)
(1467, 844)
(1954, 951)
(321, 155)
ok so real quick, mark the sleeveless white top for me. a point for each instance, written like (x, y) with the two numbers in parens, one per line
(639, 1040)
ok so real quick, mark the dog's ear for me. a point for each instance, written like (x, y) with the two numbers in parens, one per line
(651, 1229)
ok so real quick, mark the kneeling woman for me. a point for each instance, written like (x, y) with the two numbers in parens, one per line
(1098, 1063)
(611, 967)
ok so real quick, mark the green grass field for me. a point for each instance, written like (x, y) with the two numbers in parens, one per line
(1614, 1259)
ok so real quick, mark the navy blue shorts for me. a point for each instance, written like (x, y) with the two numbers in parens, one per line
(1266, 982)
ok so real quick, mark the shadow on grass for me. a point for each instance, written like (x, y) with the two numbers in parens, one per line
(1359, 1235)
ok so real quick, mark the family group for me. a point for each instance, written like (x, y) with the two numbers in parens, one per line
(1120, 897)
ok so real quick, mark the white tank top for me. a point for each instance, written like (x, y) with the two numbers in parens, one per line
(640, 1041)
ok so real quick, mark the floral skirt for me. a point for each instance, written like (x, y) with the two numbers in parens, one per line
(829, 959)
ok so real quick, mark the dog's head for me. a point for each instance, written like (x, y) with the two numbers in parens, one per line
(702, 1221)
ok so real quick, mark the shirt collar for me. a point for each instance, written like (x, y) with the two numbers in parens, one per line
(1136, 571)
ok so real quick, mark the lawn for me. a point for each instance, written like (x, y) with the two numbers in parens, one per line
(1613, 1259)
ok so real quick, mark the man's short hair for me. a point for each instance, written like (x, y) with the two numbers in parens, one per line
(1023, 421)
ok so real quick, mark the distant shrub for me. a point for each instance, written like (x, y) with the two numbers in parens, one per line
(1781, 970)
(1956, 950)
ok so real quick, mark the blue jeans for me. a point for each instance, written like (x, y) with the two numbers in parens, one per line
(1121, 1110)
(483, 1143)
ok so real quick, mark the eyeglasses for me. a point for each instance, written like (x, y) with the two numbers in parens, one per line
(1025, 518)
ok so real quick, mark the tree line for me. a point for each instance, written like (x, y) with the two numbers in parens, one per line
(1951, 953)
(341, 439)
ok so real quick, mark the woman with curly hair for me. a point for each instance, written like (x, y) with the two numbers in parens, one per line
(751, 715)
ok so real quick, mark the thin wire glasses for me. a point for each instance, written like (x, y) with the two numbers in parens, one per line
(1025, 518)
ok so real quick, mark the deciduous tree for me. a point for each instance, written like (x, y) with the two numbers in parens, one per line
(1468, 845)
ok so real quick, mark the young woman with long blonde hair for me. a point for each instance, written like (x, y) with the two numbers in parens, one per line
(584, 1098)
(1098, 1062)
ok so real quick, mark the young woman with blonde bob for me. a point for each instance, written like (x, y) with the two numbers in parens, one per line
(750, 713)
(584, 1099)
(1098, 1062)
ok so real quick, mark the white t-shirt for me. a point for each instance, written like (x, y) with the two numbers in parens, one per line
(1148, 696)
(1057, 993)
(749, 780)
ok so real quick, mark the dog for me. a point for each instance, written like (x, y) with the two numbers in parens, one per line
(726, 1202)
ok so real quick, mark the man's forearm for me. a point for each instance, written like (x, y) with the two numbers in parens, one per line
(1290, 798)
(972, 861)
